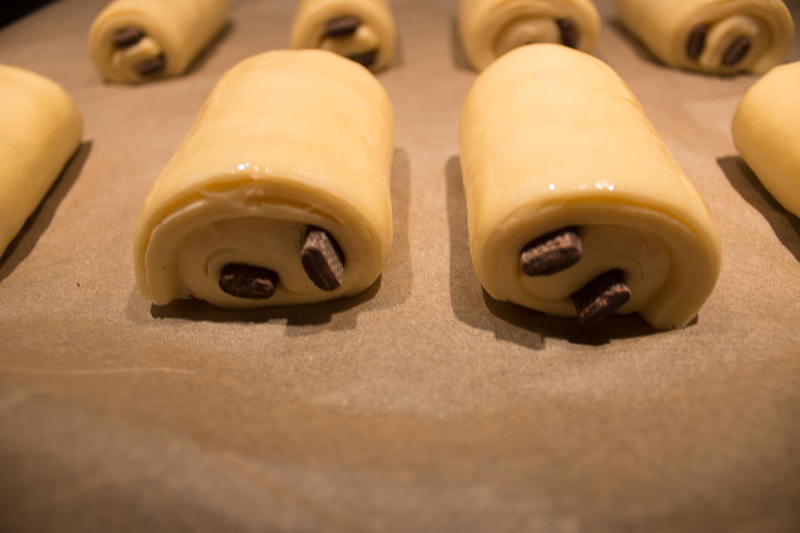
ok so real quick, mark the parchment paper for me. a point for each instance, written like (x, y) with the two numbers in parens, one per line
(420, 406)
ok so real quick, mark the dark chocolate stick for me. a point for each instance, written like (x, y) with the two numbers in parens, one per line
(551, 253)
(601, 297)
(342, 26)
(151, 66)
(696, 42)
(366, 59)
(569, 32)
(246, 281)
(322, 259)
(736, 51)
(127, 37)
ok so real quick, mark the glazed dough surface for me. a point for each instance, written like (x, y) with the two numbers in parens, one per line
(551, 138)
(490, 28)
(40, 128)
(178, 29)
(766, 133)
(286, 139)
(665, 26)
(376, 32)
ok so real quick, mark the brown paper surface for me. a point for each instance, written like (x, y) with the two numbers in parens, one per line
(422, 404)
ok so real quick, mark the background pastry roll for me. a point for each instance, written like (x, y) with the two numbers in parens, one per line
(140, 40)
(765, 131)
(40, 129)
(714, 36)
(490, 28)
(361, 30)
(553, 140)
(280, 192)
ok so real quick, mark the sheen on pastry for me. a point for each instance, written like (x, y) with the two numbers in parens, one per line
(133, 41)
(766, 133)
(361, 30)
(40, 129)
(490, 28)
(560, 162)
(712, 36)
(280, 192)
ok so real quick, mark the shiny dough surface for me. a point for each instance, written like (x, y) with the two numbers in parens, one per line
(490, 28)
(286, 139)
(766, 133)
(376, 31)
(550, 138)
(178, 29)
(665, 27)
(40, 129)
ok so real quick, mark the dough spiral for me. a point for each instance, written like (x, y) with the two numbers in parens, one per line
(361, 30)
(713, 36)
(552, 138)
(133, 41)
(490, 28)
(286, 141)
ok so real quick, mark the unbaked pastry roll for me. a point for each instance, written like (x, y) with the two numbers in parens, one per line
(714, 36)
(766, 133)
(490, 28)
(573, 201)
(40, 129)
(280, 192)
(361, 30)
(133, 41)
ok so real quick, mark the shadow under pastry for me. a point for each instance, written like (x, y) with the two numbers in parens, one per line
(634, 43)
(38, 222)
(459, 56)
(785, 225)
(210, 49)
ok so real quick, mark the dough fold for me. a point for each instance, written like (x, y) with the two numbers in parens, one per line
(286, 140)
(700, 34)
(40, 129)
(765, 131)
(552, 138)
(133, 41)
(370, 39)
(490, 28)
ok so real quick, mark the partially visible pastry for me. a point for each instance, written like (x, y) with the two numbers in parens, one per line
(490, 28)
(280, 192)
(712, 36)
(766, 133)
(575, 206)
(361, 30)
(40, 129)
(133, 41)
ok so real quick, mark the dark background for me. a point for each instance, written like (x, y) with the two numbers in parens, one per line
(12, 10)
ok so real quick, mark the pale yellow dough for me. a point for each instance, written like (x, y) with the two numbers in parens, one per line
(376, 32)
(285, 140)
(490, 28)
(178, 29)
(551, 138)
(665, 26)
(766, 133)
(40, 129)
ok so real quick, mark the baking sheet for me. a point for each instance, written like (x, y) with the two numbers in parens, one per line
(420, 405)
